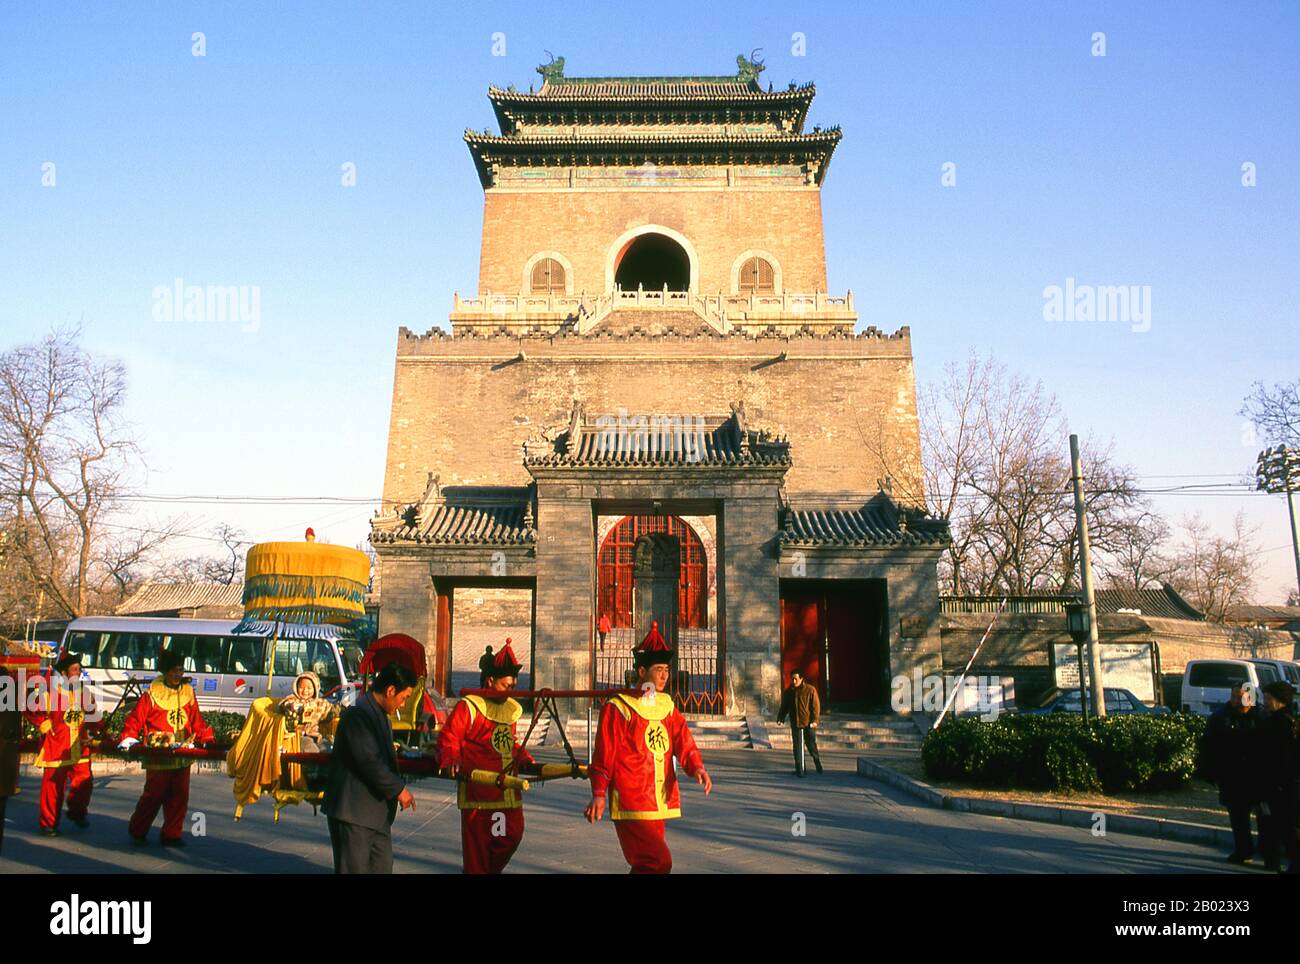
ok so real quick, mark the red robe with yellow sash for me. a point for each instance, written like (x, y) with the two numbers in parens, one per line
(635, 743)
(165, 717)
(64, 755)
(632, 763)
(482, 735)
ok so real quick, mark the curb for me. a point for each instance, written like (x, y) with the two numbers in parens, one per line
(117, 768)
(1198, 833)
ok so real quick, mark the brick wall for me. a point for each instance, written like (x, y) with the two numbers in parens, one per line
(463, 407)
(583, 226)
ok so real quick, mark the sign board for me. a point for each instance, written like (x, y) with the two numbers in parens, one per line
(1128, 666)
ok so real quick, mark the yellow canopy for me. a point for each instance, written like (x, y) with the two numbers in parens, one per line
(305, 582)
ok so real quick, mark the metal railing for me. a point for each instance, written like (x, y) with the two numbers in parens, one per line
(694, 682)
(1025, 605)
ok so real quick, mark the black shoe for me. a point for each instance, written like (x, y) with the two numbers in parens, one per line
(1238, 858)
(139, 841)
(49, 831)
(178, 842)
(81, 822)
(799, 774)
(819, 768)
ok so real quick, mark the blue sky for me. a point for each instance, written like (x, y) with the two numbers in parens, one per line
(225, 169)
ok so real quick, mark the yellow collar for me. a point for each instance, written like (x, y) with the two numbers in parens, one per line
(507, 712)
(166, 698)
(658, 709)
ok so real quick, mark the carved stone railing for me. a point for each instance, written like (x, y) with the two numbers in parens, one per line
(722, 311)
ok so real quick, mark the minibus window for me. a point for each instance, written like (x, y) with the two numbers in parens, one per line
(246, 654)
(294, 656)
(203, 654)
(88, 646)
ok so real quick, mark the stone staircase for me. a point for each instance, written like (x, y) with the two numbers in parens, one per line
(835, 732)
(854, 732)
(710, 732)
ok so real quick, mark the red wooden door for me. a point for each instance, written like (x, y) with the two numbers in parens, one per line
(847, 647)
(802, 637)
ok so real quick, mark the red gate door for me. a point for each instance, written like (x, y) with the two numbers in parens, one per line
(802, 635)
(847, 647)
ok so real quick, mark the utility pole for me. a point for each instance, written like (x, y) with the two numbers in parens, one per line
(1278, 471)
(1085, 577)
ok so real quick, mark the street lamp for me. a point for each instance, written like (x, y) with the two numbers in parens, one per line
(1278, 471)
(1077, 622)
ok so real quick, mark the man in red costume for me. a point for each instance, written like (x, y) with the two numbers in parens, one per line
(64, 758)
(166, 716)
(637, 738)
(481, 735)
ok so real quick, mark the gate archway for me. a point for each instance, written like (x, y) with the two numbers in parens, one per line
(616, 566)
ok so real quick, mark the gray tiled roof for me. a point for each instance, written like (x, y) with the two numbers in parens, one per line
(166, 597)
(663, 440)
(1164, 602)
(879, 522)
(482, 517)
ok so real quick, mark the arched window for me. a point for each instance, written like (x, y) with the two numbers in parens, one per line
(548, 277)
(757, 277)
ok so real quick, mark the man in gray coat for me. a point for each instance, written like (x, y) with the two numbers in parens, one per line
(365, 789)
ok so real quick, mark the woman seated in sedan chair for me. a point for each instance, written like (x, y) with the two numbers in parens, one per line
(302, 722)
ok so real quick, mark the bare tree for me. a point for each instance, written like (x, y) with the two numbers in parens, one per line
(1138, 556)
(226, 568)
(64, 456)
(996, 467)
(1215, 572)
(1275, 411)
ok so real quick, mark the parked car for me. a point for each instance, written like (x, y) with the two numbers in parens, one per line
(1118, 702)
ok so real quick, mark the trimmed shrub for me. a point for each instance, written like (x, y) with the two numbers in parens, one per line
(1060, 752)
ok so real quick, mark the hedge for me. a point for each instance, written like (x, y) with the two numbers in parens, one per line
(1061, 752)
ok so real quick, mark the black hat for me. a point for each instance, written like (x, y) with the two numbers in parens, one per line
(65, 661)
(168, 659)
(504, 663)
(1281, 691)
(654, 648)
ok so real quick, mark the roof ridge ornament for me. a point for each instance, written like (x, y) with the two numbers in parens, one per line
(552, 72)
(749, 68)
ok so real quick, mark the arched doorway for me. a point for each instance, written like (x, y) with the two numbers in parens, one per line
(652, 261)
(616, 566)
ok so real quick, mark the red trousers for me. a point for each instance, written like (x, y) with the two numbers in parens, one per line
(55, 781)
(482, 851)
(168, 789)
(644, 846)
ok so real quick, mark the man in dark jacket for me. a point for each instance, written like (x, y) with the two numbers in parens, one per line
(1277, 736)
(364, 789)
(800, 703)
(1229, 759)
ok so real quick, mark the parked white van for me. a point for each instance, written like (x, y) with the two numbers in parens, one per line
(1208, 683)
(227, 671)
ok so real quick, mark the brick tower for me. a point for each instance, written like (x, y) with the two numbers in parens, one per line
(652, 375)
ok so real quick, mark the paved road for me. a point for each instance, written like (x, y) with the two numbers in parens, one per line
(852, 825)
